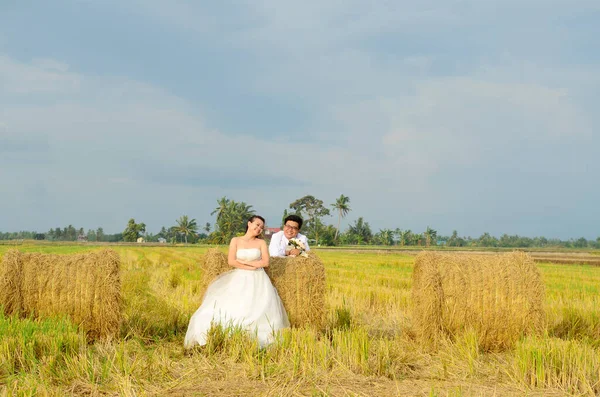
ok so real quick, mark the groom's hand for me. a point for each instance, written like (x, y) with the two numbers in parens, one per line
(294, 252)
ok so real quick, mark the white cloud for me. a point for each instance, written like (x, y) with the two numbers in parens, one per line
(118, 137)
(41, 76)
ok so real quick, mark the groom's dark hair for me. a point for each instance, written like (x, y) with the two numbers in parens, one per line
(294, 218)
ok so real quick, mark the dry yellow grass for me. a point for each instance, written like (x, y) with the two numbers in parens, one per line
(500, 297)
(86, 287)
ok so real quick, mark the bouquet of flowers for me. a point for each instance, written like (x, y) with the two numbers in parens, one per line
(295, 243)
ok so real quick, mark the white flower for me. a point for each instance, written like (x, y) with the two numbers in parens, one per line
(297, 244)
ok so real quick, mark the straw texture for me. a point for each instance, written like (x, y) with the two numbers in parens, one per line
(86, 287)
(500, 297)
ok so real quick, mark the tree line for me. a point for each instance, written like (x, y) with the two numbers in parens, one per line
(68, 233)
(231, 216)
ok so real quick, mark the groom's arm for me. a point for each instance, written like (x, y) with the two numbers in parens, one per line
(275, 248)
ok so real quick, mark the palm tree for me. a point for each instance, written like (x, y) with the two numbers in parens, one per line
(231, 219)
(430, 235)
(343, 207)
(186, 226)
(386, 236)
(453, 240)
(236, 216)
(223, 202)
(398, 234)
(243, 211)
(360, 231)
(406, 237)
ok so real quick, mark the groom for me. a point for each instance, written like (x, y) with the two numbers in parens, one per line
(291, 227)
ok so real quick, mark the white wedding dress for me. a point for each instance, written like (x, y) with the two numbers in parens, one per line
(240, 298)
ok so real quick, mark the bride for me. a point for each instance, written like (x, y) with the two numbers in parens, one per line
(244, 296)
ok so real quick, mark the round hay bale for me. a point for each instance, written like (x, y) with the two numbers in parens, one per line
(213, 264)
(300, 283)
(428, 297)
(500, 297)
(10, 275)
(86, 287)
(104, 294)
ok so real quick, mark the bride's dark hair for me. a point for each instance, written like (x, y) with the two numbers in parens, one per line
(253, 217)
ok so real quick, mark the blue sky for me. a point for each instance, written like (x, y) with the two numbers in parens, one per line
(479, 116)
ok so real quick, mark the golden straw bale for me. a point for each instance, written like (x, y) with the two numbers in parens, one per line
(10, 275)
(106, 316)
(29, 282)
(213, 264)
(86, 287)
(62, 278)
(428, 297)
(500, 297)
(300, 282)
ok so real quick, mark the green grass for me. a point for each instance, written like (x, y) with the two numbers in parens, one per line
(42, 347)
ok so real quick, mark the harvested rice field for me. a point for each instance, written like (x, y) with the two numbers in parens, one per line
(369, 343)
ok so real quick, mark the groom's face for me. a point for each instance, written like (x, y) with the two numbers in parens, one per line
(290, 229)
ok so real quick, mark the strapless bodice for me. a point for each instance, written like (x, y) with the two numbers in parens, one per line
(248, 254)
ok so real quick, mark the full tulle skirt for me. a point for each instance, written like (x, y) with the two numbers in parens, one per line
(239, 298)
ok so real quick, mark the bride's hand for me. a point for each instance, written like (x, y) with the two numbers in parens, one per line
(255, 264)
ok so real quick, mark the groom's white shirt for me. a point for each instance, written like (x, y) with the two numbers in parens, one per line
(279, 242)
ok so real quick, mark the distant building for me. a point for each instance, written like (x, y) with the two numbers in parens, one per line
(141, 240)
(271, 231)
(82, 238)
(162, 240)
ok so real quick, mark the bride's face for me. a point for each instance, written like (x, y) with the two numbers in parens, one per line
(256, 227)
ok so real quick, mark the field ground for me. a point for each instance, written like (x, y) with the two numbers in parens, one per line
(369, 347)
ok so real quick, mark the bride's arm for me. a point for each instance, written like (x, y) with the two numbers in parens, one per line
(264, 260)
(232, 257)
